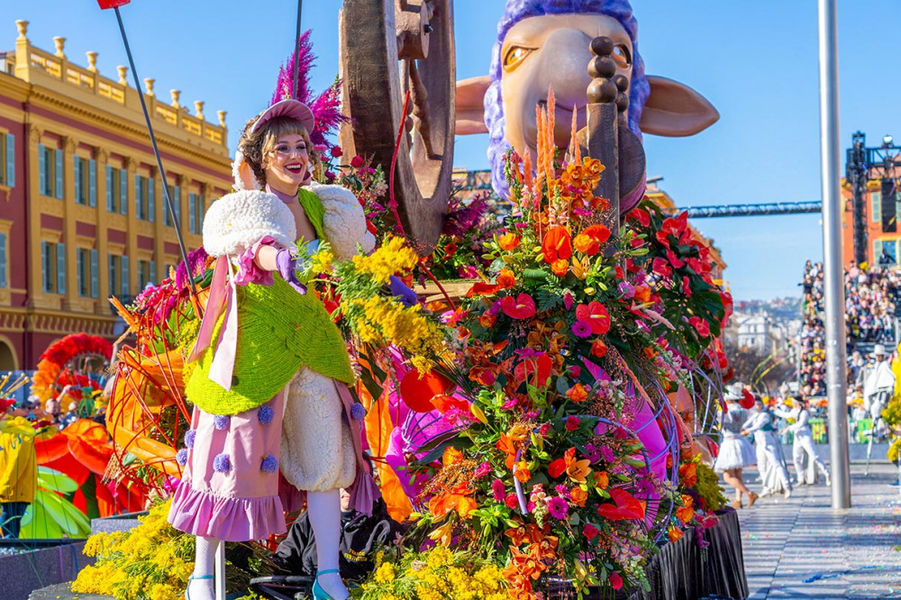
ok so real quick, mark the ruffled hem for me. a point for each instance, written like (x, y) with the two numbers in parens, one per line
(248, 271)
(231, 519)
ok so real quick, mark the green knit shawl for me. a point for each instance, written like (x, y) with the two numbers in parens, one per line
(279, 331)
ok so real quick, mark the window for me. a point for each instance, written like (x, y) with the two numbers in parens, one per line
(3, 278)
(53, 268)
(86, 271)
(876, 206)
(146, 273)
(195, 213)
(113, 264)
(175, 196)
(124, 278)
(50, 171)
(7, 159)
(85, 174)
(145, 205)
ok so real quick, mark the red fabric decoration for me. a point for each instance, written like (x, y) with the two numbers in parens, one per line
(747, 400)
(417, 390)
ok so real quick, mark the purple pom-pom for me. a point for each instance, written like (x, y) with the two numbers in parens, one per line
(222, 463)
(269, 464)
(265, 414)
(190, 436)
(181, 457)
(221, 422)
(358, 411)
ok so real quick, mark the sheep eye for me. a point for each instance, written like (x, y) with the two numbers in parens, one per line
(515, 55)
(622, 56)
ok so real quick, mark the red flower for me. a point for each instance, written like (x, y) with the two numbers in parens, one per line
(590, 531)
(675, 226)
(599, 349)
(556, 468)
(596, 315)
(640, 215)
(522, 307)
(627, 506)
(673, 259)
(537, 370)
(511, 501)
(572, 423)
(661, 267)
(616, 582)
(356, 162)
(701, 326)
(336, 151)
(450, 249)
(481, 288)
(686, 288)
(557, 245)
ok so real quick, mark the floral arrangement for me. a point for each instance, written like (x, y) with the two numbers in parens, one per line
(700, 496)
(436, 574)
(468, 227)
(153, 561)
(53, 363)
(557, 353)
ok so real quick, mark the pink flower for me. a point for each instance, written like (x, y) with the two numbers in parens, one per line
(568, 300)
(575, 371)
(616, 582)
(572, 423)
(483, 470)
(336, 151)
(581, 329)
(702, 326)
(356, 162)
(521, 307)
(626, 289)
(511, 501)
(590, 531)
(557, 507)
(497, 488)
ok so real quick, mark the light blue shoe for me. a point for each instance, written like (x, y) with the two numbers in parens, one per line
(318, 592)
(192, 578)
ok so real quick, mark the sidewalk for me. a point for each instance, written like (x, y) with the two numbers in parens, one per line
(801, 548)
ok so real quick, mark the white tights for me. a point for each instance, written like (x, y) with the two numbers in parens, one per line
(325, 518)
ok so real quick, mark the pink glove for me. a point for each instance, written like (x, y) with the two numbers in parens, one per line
(286, 265)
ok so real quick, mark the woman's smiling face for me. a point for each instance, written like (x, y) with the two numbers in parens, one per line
(287, 163)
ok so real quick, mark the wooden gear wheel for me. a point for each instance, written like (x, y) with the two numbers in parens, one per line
(389, 47)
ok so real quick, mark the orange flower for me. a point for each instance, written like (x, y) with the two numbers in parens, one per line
(527, 564)
(560, 267)
(688, 474)
(601, 480)
(599, 349)
(522, 473)
(685, 513)
(584, 244)
(506, 279)
(487, 320)
(508, 241)
(577, 393)
(577, 470)
(674, 534)
(557, 245)
(442, 504)
(642, 293)
(579, 496)
(506, 445)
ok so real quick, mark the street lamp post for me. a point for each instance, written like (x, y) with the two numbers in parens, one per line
(832, 255)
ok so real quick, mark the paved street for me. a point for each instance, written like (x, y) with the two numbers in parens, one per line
(800, 548)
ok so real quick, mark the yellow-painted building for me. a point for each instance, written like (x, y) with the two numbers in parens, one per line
(82, 213)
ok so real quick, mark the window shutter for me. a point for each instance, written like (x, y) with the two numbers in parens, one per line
(3, 281)
(138, 212)
(191, 201)
(110, 204)
(151, 199)
(45, 265)
(125, 276)
(59, 174)
(42, 170)
(76, 170)
(152, 278)
(95, 274)
(176, 200)
(92, 183)
(10, 160)
(80, 283)
(123, 191)
(60, 268)
(111, 270)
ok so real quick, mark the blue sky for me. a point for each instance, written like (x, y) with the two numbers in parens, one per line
(756, 61)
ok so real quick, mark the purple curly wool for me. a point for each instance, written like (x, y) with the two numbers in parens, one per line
(265, 414)
(517, 10)
(357, 411)
(269, 464)
(221, 422)
(222, 463)
(190, 436)
(181, 457)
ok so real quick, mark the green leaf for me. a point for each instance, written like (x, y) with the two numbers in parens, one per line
(54, 481)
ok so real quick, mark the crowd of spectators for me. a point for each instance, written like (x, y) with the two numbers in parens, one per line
(869, 318)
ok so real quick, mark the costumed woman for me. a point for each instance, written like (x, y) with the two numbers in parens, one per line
(735, 452)
(773, 470)
(270, 379)
(804, 455)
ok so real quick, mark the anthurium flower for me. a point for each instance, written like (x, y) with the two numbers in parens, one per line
(673, 259)
(640, 215)
(661, 267)
(521, 307)
(700, 325)
(536, 369)
(596, 314)
(557, 245)
(627, 506)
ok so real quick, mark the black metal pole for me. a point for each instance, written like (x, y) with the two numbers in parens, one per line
(296, 46)
(156, 153)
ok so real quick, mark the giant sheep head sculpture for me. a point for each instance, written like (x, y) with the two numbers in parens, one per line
(545, 43)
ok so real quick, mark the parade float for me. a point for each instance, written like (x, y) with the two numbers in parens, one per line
(543, 426)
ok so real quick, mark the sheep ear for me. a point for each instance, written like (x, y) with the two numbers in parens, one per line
(675, 110)
(470, 105)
